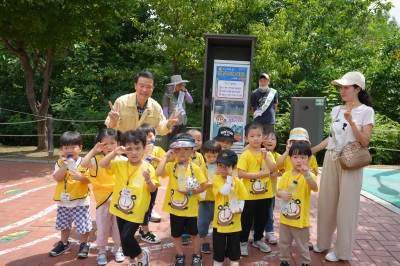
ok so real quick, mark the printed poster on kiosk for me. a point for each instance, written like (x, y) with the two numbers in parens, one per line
(230, 94)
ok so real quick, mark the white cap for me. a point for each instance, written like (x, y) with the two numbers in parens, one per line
(351, 78)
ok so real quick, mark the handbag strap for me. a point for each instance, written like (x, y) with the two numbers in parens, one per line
(333, 132)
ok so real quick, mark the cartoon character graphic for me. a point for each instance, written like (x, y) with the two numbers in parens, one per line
(293, 210)
(220, 120)
(258, 187)
(125, 204)
(179, 205)
(225, 215)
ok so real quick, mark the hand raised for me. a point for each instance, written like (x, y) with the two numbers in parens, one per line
(113, 114)
(347, 114)
(173, 119)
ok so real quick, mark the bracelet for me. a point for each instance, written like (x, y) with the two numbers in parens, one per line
(115, 153)
(308, 177)
(190, 193)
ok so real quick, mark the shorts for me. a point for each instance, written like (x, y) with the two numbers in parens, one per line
(80, 215)
(180, 225)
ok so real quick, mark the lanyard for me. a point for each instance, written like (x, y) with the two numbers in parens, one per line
(127, 172)
(191, 170)
(297, 179)
(258, 161)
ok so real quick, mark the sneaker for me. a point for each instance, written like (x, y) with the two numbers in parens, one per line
(197, 260)
(234, 263)
(331, 257)
(316, 249)
(251, 237)
(119, 256)
(180, 260)
(216, 263)
(145, 261)
(262, 246)
(310, 246)
(155, 217)
(285, 263)
(205, 248)
(149, 237)
(84, 249)
(101, 258)
(271, 238)
(305, 264)
(185, 240)
(59, 249)
(243, 249)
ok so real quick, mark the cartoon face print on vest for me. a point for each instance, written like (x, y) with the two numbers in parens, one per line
(293, 210)
(258, 187)
(225, 215)
(125, 204)
(179, 205)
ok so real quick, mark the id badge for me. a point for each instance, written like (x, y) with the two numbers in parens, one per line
(65, 197)
(126, 193)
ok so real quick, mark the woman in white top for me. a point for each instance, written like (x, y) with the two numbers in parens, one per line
(339, 193)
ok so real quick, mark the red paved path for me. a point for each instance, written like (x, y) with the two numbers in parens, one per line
(378, 238)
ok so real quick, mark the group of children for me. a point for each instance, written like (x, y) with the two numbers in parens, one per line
(235, 195)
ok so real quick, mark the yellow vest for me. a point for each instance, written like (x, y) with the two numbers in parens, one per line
(76, 189)
(102, 181)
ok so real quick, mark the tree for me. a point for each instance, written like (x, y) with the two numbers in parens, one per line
(35, 30)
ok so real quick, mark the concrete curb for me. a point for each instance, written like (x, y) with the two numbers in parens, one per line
(28, 161)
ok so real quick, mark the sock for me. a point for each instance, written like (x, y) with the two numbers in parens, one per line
(65, 243)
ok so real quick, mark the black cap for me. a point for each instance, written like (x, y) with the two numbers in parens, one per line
(225, 133)
(227, 157)
(263, 75)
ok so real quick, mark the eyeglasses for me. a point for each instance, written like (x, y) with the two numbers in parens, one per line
(143, 86)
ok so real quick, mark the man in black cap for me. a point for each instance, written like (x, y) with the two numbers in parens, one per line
(264, 103)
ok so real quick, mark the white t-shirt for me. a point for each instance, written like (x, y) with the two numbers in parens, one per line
(363, 115)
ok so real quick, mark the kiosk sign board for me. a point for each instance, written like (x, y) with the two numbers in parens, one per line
(230, 94)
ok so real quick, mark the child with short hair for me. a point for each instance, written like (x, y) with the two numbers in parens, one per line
(181, 204)
(103, 186)
(196, 156)
(257, 181)
(72, 195)
(151, 215)
(226, 224)
(134, 180)
(225, 137)
(211, 148)
(294, 221)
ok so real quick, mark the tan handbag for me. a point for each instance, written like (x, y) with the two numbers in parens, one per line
(353, 156)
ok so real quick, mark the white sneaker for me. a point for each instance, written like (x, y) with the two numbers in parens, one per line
(331, 257)
(243, 249)
(216, 263)
(145, 261)
(155, 217)
(316, 249)
(262, 246)
(271, 238)
(234, 263)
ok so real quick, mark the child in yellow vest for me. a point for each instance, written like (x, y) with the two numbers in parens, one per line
(229, 193)
(258, 185)
(295, 206)
(155, 156)
(134, 180)
(211, 148)
(72, 195)
(181, 202)
(102, 181)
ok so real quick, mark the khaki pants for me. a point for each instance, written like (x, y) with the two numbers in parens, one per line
(300, 235)
(338, 204)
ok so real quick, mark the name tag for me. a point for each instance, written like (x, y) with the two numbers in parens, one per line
(126, 193)
(257, 113)
(65, 197)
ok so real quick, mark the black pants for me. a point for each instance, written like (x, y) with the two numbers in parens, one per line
(147, 215)
(226, 245)
(257, 210)
(177, 129)
(129, 244)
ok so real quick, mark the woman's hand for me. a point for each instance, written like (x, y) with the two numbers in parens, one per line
(347, 114)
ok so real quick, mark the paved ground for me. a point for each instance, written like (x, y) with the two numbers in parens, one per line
(28, 213)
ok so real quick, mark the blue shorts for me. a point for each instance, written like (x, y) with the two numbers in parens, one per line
(80, 215)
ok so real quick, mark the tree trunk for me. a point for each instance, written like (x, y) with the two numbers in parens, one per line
(38, 108)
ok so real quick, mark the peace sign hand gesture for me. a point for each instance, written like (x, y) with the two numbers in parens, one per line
(173, 119)
(113, 114)
(347, 114)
